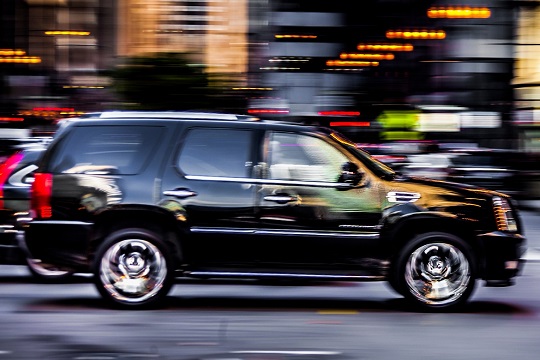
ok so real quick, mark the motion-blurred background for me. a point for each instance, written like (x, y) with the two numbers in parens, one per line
(400, 77)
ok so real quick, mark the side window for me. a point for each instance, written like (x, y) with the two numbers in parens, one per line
(120, 150)
(304, 158)
(216, 152)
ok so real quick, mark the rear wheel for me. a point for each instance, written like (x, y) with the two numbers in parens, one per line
(47, 273)
(435, 271)
(133, 269)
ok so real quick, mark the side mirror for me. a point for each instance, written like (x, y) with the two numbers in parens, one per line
(350, 174)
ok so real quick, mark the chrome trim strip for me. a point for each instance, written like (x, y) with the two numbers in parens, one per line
(362, 227)
(199, 230)
(288, 275)
(270, 181)
(402, 196)
(180, 193)
(61, 222)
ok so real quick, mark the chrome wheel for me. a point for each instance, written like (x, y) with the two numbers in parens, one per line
(438, 274)
(132, 271)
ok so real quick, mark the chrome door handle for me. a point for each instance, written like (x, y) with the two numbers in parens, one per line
(281, 199)
(180, 193)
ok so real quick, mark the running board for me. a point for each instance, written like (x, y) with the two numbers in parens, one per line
(256, 275)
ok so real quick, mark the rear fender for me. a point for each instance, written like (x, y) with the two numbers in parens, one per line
(169, 223)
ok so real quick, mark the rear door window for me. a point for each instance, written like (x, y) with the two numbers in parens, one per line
(122, 150)
(216, 152)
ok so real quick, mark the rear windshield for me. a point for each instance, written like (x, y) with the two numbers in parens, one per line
(122, 150)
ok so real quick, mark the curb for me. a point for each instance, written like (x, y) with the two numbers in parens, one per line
(532, 255)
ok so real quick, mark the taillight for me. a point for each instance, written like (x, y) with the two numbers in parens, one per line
(41, 196)
(6, 169)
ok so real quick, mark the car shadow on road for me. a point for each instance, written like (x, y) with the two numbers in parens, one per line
(266, 300)
(323, 306)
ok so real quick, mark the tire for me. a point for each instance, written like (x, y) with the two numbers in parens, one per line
(133, 269)
(435, 272)
(47, 273)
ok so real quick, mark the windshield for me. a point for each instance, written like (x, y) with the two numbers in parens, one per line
(371, 163)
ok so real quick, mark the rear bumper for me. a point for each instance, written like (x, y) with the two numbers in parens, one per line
(503, 256)
(61, 243)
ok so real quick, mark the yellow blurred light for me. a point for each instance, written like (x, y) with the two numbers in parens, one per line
(459, 12)
(68, 32)
(253, 88)
(289, 59)
(83, 87)
(295, 36)
(351, 63)
(385, 47)
(354, 56)
(12, 52)
(20, 59)
(415, 34)
(279, 68)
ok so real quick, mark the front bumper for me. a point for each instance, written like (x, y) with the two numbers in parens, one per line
(503, 256)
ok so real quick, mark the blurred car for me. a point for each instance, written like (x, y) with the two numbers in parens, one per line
(495, 169)
(16, 177)
(433, 166)
(16, 172)
(386, 154)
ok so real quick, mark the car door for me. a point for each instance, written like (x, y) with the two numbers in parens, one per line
(309, 216)
(210, 180)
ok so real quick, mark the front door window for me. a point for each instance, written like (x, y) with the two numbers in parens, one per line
(303, 158)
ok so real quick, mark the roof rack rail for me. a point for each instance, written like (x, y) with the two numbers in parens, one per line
(121, 114)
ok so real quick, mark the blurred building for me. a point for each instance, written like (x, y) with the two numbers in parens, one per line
(527, 75)
(450, 63)
(75, 41)
(214, 31)
(391, 70)
(66, 45)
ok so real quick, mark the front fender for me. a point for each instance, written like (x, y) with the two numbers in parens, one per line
(402, 222)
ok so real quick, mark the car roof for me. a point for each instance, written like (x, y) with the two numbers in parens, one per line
(120, 116)
(123, 114)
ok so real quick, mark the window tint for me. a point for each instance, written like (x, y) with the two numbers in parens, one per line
(304, 158)
(216, 152)
(107, 149)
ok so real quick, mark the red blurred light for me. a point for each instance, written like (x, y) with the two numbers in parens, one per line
(41, 195)
(267, 111)
(11, 119)
(6, 168)
(339, 113)
(350, 123)
(52, 109)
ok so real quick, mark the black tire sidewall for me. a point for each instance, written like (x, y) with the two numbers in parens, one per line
(133, 233)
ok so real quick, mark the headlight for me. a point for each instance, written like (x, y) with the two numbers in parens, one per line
(504, 215)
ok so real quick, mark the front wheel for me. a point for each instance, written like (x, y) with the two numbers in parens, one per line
(435, 271)
(132, 269)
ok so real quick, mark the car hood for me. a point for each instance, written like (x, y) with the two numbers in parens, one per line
(459, 188)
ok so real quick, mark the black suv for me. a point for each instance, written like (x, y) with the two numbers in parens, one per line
(140, 199)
